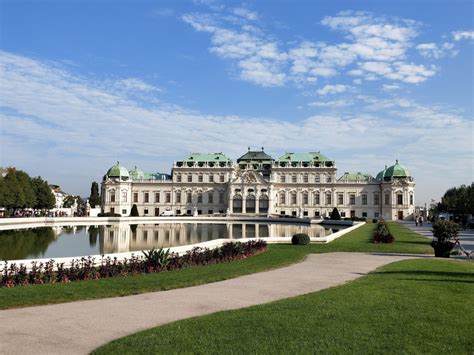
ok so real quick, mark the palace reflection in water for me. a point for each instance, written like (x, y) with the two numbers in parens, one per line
(123, 237)
(63, 241)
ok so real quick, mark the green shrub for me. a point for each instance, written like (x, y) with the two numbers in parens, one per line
(300, 239)
(109, 214)
(382, 233)
(445, 233)
(335, 214)
(134, 211)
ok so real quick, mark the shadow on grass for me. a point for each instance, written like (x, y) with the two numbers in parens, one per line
(440, 280)
(427, 273)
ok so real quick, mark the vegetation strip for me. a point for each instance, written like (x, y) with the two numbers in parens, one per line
(359, 240)
(396, 309)
(150, 262)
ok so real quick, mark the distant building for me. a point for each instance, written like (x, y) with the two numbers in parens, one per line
(296, 184)
(4, 171)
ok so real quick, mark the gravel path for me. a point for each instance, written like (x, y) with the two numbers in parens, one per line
(80, 327)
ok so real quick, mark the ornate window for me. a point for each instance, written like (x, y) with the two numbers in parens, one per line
(178, 178)
(178, 196)
(124, 195)
(112, 195)
(222, 178)
(352, 199)
(387, 199)
(376, 199)
(305, 198)
(411, 199)
(221, 196)
(328, 198)
(293, 198)
(294, 178)
(189, 197)
(317, 178)
(190, 178)
(200, 178)
(135, 197)
(211, 178)
(282, 198)
(399, 199)
(305, 178)
(282, 178)
(210, 197)
(199, 200)
(146, 197)
(364, 199)
(340, 199)
(168, 197)
(317, 199)
(157, 197)
(328, 178)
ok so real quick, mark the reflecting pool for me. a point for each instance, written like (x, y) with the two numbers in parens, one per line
(64, 241)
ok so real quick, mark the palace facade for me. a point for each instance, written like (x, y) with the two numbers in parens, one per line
(298, 184)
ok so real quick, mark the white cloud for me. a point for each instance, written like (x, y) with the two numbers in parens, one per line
(332, 89)
(135, 84)
(460, 35)
(374, 47)
(330, 104)
(247, 14)
(432, 50)
(388, 87)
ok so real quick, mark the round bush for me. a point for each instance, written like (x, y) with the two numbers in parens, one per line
(300, 239)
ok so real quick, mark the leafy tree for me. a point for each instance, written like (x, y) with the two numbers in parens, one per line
(459, 201)
(81, 206)
(335, 214)
(44, 197)
(69, 201)
(94, 198)
(16, 190)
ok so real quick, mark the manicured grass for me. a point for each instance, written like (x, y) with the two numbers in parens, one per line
(413, 306)
(276, 256)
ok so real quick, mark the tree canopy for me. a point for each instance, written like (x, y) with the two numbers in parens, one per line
(459, 201)
(19, 190)
(94, 198)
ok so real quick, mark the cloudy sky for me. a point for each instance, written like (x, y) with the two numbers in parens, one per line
(86, 83)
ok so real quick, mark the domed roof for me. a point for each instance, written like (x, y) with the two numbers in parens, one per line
(381, 174)
(136, 174)
(397, 171)
(118, 171)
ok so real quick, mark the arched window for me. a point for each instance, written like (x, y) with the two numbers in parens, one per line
(263, 204)
(112, 195)
(237, 204)
(250, 204)
(124, 195)
(282, 198)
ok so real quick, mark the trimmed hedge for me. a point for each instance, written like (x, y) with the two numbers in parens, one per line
(300, 239)
(382, 233)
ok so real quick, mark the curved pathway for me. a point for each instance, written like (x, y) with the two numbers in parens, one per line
(80, 327)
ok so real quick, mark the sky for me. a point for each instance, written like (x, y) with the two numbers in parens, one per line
(84, 84)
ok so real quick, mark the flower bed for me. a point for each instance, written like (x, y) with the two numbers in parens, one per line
(86, 268)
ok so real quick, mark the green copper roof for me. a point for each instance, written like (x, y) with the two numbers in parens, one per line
(136, 174)
(303, 157)
(118, 171)
(257, 156)
(355, 177)
(396, 171)
(209, 157)
(381, 174)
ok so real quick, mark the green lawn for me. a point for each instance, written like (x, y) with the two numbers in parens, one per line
(413, 306)
(276, 256)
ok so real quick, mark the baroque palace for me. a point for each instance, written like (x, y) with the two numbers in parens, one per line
(297, 184)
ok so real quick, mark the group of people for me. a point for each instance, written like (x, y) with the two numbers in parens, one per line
(419, 220)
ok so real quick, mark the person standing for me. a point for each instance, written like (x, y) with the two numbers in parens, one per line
(416, 221)
(421, 221)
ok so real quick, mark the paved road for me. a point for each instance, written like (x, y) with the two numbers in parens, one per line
(80, 327)
(465, 236)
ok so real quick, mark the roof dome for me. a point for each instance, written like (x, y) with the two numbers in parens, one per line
(381, 174)
(136, 174)
(396, 171)
(118, 171)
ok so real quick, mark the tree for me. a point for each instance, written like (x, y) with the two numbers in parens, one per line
(44, 197)
(459, 201)
(16, 190)
(134, 211)
(69, 201)
(94, 198)
(335, 214)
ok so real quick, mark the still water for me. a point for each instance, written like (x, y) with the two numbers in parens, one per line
(63, 241)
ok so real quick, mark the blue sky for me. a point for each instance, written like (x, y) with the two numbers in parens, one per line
(86, 83)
